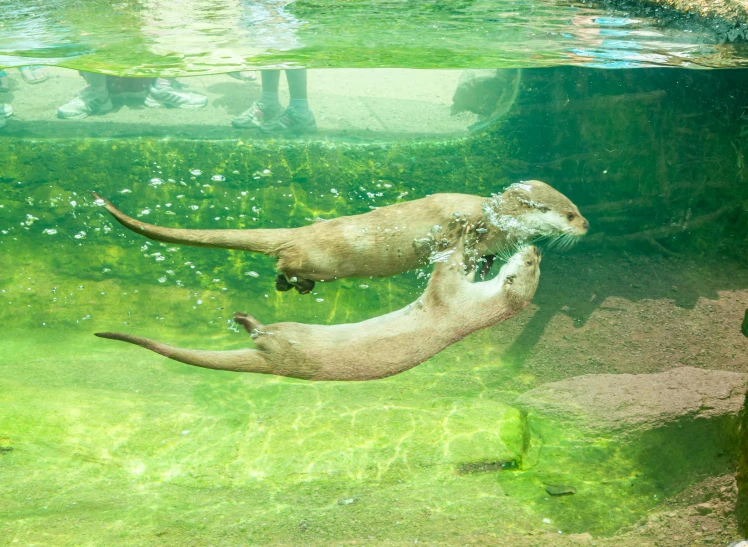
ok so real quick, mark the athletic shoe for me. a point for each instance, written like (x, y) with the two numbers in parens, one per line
(90, 101)
(244, 76)
(257, 115)
(34, 74)
(169, 98)
(292, 122)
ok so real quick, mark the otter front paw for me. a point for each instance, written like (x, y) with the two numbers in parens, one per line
(247, 321)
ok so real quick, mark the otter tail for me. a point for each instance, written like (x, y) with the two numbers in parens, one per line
(243, 360)
(261, 241)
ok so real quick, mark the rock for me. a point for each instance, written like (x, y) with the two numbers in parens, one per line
(560, 490)
(704, 508)
(637, 402)
(742, 478)
(581, 539)
(488, 93)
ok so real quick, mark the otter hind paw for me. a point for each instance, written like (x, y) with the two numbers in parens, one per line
(282, 284)
(304, 286)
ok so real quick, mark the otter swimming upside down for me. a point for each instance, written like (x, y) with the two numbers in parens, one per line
(451, 308)
(392, 239)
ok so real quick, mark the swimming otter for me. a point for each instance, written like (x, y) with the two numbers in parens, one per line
(451, 308)
(391, 239)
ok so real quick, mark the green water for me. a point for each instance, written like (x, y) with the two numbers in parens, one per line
(171, 38)
(107, 444)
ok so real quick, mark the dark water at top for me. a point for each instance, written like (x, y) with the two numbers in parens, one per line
(139, 38)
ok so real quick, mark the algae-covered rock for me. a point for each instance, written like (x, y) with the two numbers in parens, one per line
(742, 505)
(638, 402)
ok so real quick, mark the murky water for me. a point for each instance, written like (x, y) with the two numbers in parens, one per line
(605, 406)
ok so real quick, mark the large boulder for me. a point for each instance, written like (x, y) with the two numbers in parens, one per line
(631, 403)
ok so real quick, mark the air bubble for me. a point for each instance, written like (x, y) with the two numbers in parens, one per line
(196, 172)
(80, 235)
(252, 274)
(218, 178)
(156, 181)
(50, 231)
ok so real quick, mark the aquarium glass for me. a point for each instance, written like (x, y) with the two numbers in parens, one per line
(604, 413)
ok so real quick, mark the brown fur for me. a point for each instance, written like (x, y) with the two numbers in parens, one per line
(451, 308)
(391, 239)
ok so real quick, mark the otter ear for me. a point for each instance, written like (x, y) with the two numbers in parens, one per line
(509, 279)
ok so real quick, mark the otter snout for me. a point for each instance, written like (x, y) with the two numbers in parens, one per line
(579, 224)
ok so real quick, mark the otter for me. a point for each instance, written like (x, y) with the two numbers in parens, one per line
(392, 239)
(452, 307)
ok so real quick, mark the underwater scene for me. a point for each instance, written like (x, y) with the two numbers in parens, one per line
(351, 272)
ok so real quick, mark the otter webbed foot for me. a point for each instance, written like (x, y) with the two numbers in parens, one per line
(304, 286)
(282, 284)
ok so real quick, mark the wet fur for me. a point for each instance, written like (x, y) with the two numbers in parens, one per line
(391, 239)
(451, 308)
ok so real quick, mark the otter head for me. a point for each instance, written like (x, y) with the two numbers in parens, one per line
(519, 277)
(531, 210)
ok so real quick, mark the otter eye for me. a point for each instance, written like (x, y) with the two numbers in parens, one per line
(543, 209)
(570, 216)
(528, 263)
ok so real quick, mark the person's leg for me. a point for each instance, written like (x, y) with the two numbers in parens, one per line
(96, 81)
(297, 118)
(267, 109)
(297, 90)
(270, 86)
(92, 99)
(6, 111)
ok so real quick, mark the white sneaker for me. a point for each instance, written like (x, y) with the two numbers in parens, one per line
(258, 114)
(169, 98)
(89, 101)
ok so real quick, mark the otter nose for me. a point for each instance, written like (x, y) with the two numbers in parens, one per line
(586, 225)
